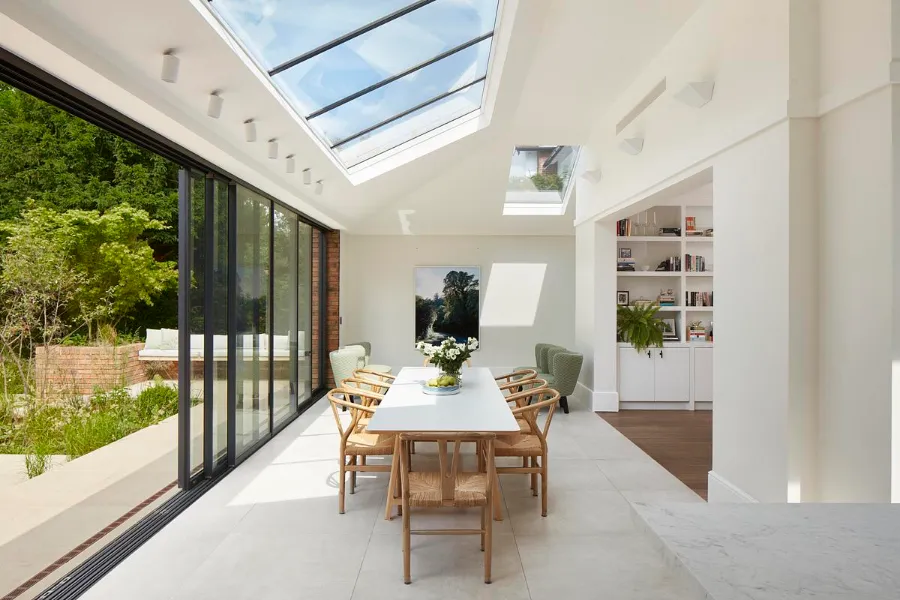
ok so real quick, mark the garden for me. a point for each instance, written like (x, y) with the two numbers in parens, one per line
(87, 242)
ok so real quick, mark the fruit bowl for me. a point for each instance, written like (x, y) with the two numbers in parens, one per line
(445, 385)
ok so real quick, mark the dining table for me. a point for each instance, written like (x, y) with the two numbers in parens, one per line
(479, 407)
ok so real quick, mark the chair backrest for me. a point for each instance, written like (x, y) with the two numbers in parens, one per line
(449, 466)
(551, 352)
(533, 403)
(516, 388)
(367, 346)
(374, 375)
(566, 368)
(369, 384)
(520, 375)
(340, 397)
(544, 366)
(539, 356)
(344, 362)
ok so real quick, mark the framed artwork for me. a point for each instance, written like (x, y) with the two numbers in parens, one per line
(670, 333)
(447, 303)
(624, 252)
(622, 298)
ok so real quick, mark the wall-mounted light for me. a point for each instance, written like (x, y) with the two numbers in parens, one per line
(273, 148)
(214, 106)
(169, 67)
(250, 130)
(319, 187)
(289, 163)
(593, 176)
(307, 176)
(696, 93)
(632, 145)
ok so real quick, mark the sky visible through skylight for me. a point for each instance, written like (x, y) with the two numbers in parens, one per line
(277, 32)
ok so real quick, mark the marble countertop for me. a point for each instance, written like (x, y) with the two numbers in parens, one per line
(781, 551)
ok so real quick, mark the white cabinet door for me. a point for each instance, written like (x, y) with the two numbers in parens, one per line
(672, 374)
(635, 376)
(703, 374)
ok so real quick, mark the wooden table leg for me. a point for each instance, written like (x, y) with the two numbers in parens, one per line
(393, 481)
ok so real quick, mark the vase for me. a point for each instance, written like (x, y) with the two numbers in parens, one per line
(455, 374)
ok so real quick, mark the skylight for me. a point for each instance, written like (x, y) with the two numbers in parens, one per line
(540, 180)
(369, 75)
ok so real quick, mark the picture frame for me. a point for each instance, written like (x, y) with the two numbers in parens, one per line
(435, 321)
(622, 298)
(624, 252)
(671, 332)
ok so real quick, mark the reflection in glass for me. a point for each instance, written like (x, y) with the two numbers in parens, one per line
(196, 324)
(252, 369)
(284, 315)
(317, 362)
(218, 310)
(541, 174)
(412, 125)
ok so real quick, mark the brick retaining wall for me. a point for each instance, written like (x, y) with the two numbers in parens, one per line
(82, 369)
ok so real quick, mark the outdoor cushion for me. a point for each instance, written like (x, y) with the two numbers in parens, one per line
(169, 339)
(154, 338)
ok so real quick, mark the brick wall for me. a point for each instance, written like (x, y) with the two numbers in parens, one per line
(81, 369)
(333, 298)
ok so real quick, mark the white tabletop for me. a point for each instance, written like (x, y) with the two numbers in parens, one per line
(479, 406)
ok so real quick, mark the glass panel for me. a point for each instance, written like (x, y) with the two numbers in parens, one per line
(412, 125)
(252, 380)
(219, 313)
(284, 314)
(198, 278)
(318, 364)
(304, 314)
(450, 73)
(277, 31)
(391, 49)
(540, 174)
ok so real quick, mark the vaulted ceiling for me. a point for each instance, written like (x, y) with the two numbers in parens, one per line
(563, 63)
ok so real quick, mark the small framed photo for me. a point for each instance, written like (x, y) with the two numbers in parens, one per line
(624, 252)
(622, 298)
(670, 332)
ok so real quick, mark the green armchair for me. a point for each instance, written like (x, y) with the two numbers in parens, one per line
(539, 361)
(565, 368)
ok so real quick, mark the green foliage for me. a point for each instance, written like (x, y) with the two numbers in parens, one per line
(37, 461)
(548, 182)
(459, 317)
(639, 326)
(62, 162)
(156, 403)
(425, 315)
(99, 260)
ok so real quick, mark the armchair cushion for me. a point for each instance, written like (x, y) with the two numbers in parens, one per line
(566, 368)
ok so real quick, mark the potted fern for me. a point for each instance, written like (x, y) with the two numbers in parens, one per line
(639, 326)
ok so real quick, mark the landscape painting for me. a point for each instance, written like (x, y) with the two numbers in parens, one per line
(447, 303)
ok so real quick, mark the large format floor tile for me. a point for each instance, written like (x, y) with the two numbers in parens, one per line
(271, 530)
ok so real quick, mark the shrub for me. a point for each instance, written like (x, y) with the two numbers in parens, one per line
(155, 404)
(37, 461)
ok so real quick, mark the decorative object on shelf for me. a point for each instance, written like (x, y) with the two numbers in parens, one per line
(708, 232)
(696, 332)
(670, 231)
(673, 264)
(709, 335)
(625, 262)
(666, 297)
(643, 302)
(622, 298)
(447, 304)
(449, 357)
(690, 225)
(639, 326)
(670, 333)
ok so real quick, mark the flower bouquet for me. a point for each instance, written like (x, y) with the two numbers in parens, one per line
(449, 357)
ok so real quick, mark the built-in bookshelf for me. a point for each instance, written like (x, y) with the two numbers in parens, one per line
(668, 251)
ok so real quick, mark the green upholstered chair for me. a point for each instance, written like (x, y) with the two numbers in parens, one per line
(345, 361)
(367, 346)
(565, 367)
(546, 372)
(538, 365)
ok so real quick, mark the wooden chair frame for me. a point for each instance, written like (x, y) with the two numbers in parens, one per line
(533, 465)
(448, 474)
(385, 377)
(350, 461)
(521, 375)
(363, 383)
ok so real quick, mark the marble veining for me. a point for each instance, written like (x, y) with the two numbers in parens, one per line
(781, 551)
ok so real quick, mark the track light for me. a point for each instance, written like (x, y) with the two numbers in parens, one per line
(307, 176)
(632, 146)
(214, 107)
(273, 148)
(169, 67)
(319, 187)
(289, 163)
(696, 93)
(250, 130)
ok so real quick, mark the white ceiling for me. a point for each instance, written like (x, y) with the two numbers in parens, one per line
(566, 62)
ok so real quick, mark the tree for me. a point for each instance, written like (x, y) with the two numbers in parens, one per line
(62, 162)
(460, 304)
(424, 317)
(113, 263)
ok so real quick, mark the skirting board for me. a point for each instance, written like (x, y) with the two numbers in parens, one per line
(605, 401)
(723, 491)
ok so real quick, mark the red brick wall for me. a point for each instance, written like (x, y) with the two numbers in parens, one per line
(333, 298)
(81, 369)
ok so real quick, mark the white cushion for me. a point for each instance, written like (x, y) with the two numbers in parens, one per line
(154, 339)
(169, 339)
(282, 342)
(220, 342)
(196, 343)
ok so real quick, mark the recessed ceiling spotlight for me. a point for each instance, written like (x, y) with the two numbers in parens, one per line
(307, 176)
(169, 67)
(250, 130)
(214, 107)
(289, 163)
(273, 148)
(319, 187)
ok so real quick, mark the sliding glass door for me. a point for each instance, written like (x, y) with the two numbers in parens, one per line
(284, 316)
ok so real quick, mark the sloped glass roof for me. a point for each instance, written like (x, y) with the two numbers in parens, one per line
(369, 75)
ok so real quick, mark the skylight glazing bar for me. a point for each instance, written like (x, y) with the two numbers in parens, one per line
(406, 112)
(400, 75)
(349, 36)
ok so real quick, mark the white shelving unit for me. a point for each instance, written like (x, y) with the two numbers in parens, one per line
(679, 375)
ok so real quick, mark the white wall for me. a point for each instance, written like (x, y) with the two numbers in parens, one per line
(378, 298)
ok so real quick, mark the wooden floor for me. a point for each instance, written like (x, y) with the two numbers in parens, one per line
(679, 440)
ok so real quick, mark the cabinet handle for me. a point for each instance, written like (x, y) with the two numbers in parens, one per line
(660, 354)
(648, 354)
